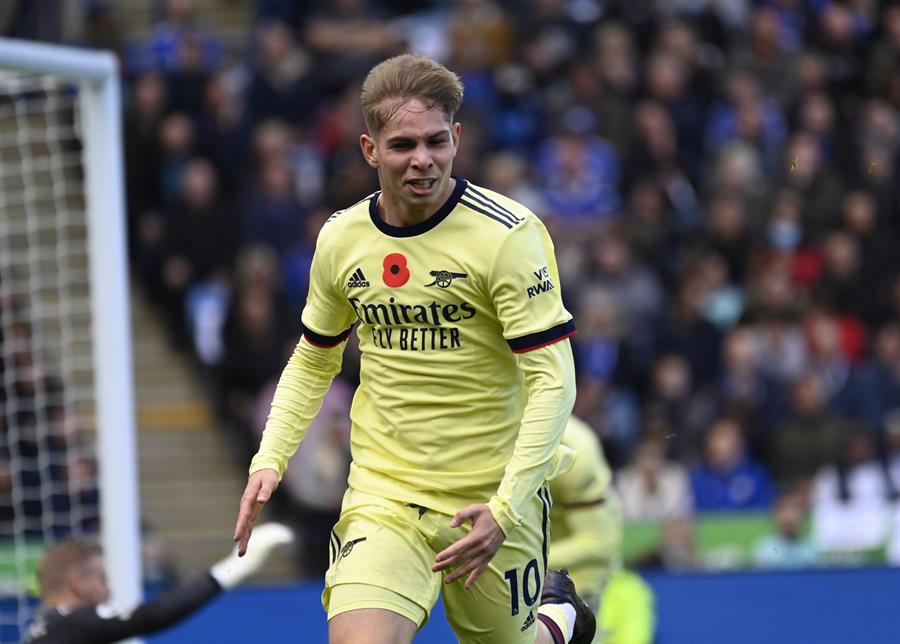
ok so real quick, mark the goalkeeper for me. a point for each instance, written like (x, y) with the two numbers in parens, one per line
(587, 540)
(74, 589)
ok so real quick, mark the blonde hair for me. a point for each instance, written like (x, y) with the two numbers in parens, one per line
(393, 82)
(57, 562)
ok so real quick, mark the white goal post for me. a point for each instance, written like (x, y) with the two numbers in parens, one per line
(93, 76)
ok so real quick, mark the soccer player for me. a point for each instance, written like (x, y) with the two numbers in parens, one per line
(466, 385)
(72, 578)
(587, 540)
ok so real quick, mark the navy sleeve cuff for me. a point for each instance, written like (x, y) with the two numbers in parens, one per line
(540, 339)
(324, 341)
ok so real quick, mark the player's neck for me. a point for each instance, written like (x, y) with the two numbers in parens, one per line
(397, 213)
(64, 602)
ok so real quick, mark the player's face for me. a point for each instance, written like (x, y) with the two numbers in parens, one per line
(413, 154)
(92, 584)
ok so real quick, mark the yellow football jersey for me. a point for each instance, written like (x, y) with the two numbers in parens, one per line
(441, 308)
(585, 518)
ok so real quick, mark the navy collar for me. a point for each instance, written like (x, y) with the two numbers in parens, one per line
(421, 227)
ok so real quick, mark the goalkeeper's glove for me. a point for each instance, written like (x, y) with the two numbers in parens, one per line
(233, 570)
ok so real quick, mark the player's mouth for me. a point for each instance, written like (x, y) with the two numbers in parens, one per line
(421, 187)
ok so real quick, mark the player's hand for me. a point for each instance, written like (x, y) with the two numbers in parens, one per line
(258, 491)
(471, 554)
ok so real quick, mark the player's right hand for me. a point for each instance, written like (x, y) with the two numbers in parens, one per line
(258, 491)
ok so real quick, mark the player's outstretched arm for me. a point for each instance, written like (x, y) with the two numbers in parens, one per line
(259, 490)
(174, 605)
(104, 625)
(298, 398)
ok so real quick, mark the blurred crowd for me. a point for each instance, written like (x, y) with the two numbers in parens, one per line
(720, 179)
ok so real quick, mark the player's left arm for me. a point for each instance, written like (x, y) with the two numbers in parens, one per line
(526, 292)
(550, 382)
(524, 287)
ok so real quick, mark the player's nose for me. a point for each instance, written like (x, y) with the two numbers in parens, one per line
(422, 157)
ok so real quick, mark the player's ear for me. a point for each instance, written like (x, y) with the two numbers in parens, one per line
(75, 582)
(456, 128)
(367, 145)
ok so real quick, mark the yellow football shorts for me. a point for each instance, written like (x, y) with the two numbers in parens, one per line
(382, 552)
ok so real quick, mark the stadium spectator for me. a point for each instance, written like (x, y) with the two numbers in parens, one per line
(767, 55)
(746, 390)
(652, 488)
(878, 262)
(635, 290)
(271, 213)
(808, 439)
(686, 408)
(178, 33)
(346, 38)
(143, 116)
(781, 350)
(283, 75)
(201, 240)
(254, 348)
(788, 546)
(728, 479)
(851, 501)
(876, 383)
(579, 176)
(607, 371)
(840, 285)
(677, 549)
(224, 129)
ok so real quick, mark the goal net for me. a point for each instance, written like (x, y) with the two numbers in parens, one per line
(66, 428)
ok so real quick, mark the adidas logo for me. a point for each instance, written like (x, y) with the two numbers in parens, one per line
(528, 621)
(358, 280)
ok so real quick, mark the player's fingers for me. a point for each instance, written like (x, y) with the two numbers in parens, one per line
(461, 571)
(242, 536)
(246, 515)
(266, 489)
(244, 530)
(454, 560)
(456, 550)
(449, 553)
(460, 556)
(475, 574)
(250, 493)
(248, 529)
(464, 515)
(242, 523)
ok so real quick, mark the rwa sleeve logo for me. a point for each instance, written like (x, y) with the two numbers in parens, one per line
(543, 285)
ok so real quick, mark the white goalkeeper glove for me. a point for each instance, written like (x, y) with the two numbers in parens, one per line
(232, 570)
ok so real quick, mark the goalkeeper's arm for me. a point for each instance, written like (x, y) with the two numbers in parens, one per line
(101, 624)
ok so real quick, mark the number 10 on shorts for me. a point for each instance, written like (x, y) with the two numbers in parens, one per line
(531, 585)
